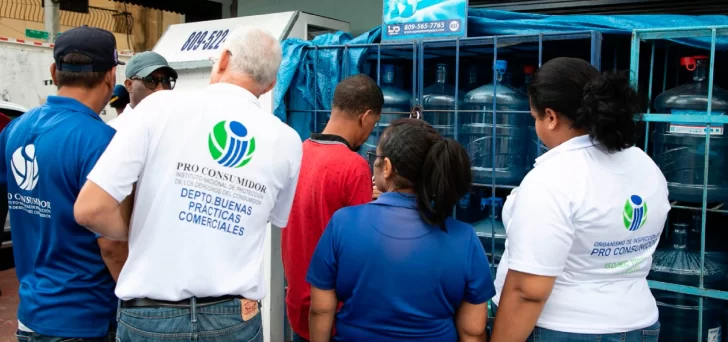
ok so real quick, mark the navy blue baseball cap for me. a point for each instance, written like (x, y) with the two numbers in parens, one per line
(120, 97)
(97, 44)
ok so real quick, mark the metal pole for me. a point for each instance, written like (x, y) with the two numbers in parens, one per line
(52, 19)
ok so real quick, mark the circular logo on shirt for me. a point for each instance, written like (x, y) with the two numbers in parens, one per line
(25, 167)
(230, 145)
(635, 213)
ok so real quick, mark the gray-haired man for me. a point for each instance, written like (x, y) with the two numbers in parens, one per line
(212, 168)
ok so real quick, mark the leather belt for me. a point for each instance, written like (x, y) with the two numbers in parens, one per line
(185, 303)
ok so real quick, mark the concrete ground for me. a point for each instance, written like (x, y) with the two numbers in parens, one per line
(8, 305)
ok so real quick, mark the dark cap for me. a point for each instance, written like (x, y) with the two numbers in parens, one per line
(120, 97)
(97, 44)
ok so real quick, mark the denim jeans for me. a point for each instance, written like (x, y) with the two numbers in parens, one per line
(24, 336)
(649, 334)
(215, 322)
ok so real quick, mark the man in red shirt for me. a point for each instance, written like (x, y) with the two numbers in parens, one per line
(333, 176)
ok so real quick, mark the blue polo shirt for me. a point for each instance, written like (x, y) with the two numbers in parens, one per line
(399, 278)
(65, 288)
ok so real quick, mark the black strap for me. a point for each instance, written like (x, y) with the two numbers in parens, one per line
(328, 138)
(185, 303)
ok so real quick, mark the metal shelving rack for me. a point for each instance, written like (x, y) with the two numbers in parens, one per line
(491, 45)
(417, 53)
(653, 36)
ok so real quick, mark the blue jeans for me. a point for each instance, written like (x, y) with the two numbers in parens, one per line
(35, 337)
(216, 322)
(649, 334)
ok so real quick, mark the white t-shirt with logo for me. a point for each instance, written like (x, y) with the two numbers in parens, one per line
(119, 121)
(212, 168)
(592, 220)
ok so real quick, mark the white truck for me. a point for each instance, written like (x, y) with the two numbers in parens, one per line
(25, 77)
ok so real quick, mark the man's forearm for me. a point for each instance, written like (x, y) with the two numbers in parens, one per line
(109, 225)
(114, 254)
(101, 213)
(320, 326)
(516, 318)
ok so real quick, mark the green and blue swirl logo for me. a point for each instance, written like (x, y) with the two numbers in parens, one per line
(230, 145)
(635, 213)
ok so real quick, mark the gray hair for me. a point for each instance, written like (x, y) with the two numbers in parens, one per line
(254, 53)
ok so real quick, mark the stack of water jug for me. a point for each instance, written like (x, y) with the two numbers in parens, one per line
(679, 151)
(502, 161)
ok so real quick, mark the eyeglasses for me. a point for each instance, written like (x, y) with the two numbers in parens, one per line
(151, 82)
(372, 157)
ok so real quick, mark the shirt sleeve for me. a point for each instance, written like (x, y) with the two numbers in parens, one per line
(359, 187)
(282, 208)
(120, 165)
(479, 288)
(323, 268)
(540, 233)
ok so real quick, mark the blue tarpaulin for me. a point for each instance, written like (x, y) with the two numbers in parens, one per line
(298, 79)
(305, 82)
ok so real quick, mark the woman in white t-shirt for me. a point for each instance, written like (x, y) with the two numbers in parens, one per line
(584, 223)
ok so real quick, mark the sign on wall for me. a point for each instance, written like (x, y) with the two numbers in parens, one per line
(36, 34)
(424, 19)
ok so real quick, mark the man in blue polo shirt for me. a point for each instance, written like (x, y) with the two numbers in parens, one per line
(66, 272)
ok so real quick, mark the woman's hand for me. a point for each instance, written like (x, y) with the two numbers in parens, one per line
(375, 191)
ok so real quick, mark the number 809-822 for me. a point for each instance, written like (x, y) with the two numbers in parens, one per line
(208, 42)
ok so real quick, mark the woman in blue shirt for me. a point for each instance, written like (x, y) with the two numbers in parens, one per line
(403, 268)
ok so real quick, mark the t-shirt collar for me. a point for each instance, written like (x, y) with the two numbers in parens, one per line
(329, 139)
(72, 105)
(397, 199)
(582, 141)
(243, 93)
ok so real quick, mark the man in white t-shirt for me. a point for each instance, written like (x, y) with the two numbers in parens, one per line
(146, 73)
(211, 168)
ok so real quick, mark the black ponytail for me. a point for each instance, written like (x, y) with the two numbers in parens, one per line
(604, 105)
(437, 169)
(445, 178)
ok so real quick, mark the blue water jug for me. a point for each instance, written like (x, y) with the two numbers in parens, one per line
(508, 165)
(680, 147)
(397, 104)
(491, 232)
(439, 101)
